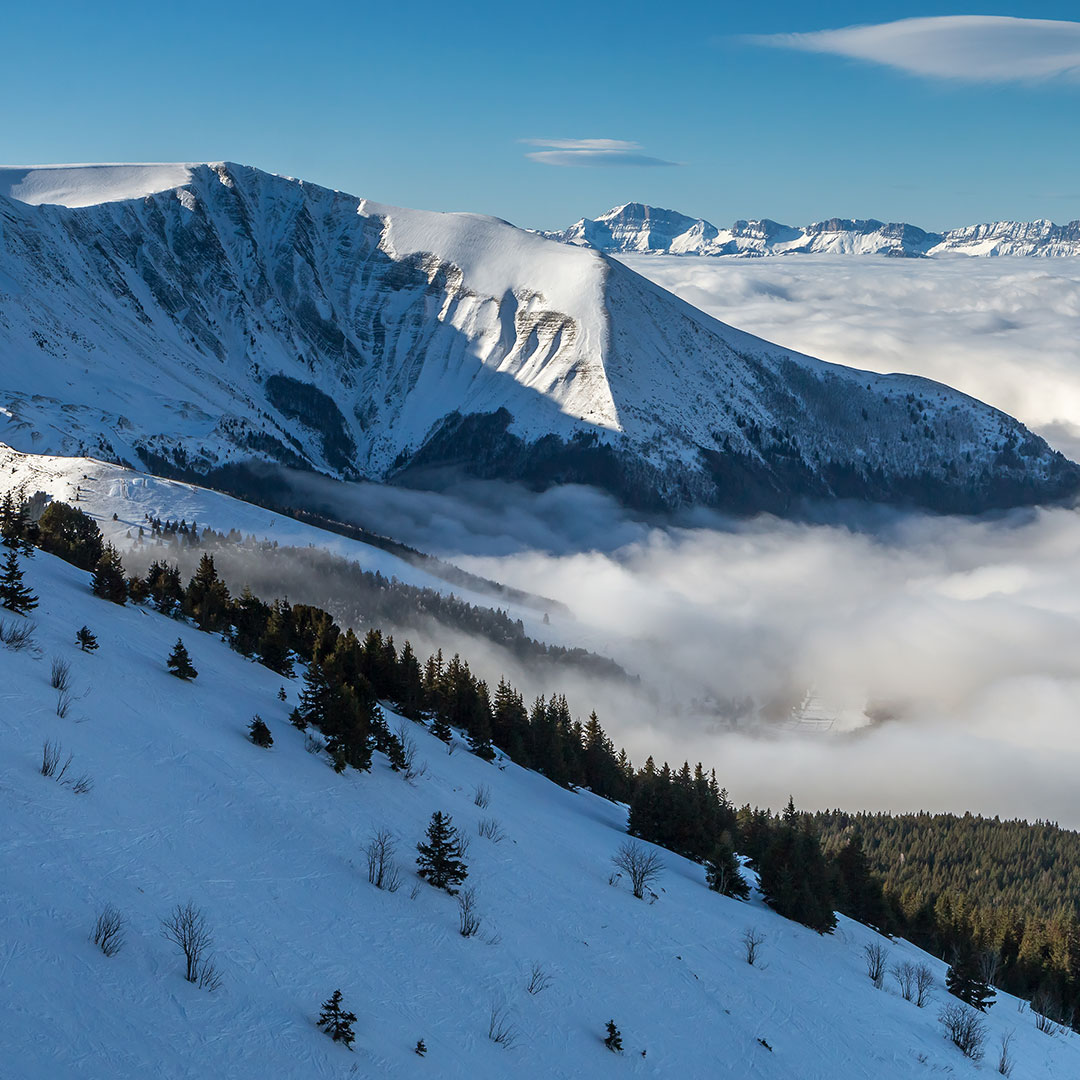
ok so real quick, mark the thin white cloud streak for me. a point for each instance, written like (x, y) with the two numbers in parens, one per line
(973, 48)
(592, 153)
(1002, 330)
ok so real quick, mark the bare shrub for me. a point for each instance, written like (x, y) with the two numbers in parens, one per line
(209, 976)
(964, 1029)
(468, 917)
(108, 932)
(1047, 1012)
(415, 891)
(989, 961)
(63, 703)
(60, 674)
(877, 956)
(186, 927)
(82, 784)
(380, 850)
(1005, 1059)
(17, 636)
(924, 985)
(904, 974)
(411, 771)
(752, 940)
(539, 980)
(642, 865)
(50, 757)
(491, 830)
(481, 796)
(501, 1028)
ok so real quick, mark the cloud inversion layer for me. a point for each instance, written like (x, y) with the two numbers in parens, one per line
(974, 48)
(591, 153)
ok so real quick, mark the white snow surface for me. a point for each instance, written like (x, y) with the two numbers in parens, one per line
(268, 843)
(87, 185)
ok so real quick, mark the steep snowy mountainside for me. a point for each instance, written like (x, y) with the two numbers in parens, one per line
(268, 844)
(85, 185)
(635, 227)
(242, 315)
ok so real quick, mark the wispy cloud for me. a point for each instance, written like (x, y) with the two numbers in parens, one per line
(591, 153)
(974, 48)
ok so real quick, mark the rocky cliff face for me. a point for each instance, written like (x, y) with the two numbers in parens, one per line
(194, 317)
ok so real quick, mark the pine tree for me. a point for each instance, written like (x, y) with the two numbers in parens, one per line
(722, 871)
(964, 980)
(14, 522)
(440, 859)
(421, 1048)
(179, 662)
(108, 580)
(14, 595)
(207, 598)
(86, 639)
(336, 1022)
(614, 1038)
(67, 532)
(259, 733)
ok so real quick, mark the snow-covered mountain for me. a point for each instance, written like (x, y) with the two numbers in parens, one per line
(188, 317)
(635, 227)
(268, 844)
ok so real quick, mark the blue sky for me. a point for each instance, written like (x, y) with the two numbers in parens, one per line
(428, 104)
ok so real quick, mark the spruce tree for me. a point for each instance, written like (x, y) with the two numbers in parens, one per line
(108, 580)
(259, 733)
(179, 662)
(86, 639)
(722, 871)
(14, 595)
(440, 859)
(206, 598)
(965, 981)
(336, 1022)
(614, 1038)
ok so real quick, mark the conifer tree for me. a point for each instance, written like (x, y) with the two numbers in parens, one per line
(108, 581)
(67, 532)
(965, 981)
(14, 522)
(273, 646)
(179, 663)
(86, 639)
(440, 728)
(206, 598)
(336, 1022)
(722, 871)
(614, 1038)
(14, 595)
(440, 859)
(259, 733)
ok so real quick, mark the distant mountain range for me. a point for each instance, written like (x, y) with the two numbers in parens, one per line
(635, 227)
(191, 318)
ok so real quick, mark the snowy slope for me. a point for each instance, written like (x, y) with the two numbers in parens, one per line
(219, 314)
(635, 227)
(268, 844)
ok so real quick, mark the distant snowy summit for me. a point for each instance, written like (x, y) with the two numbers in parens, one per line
(193, 319)
(635, 227)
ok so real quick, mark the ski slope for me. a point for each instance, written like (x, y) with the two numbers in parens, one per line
(268, 843)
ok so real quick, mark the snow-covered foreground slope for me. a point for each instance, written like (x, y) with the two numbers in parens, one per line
(635, 227)
(229, 314)
(268, 844)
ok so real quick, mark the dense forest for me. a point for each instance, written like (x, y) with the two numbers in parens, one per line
(999, 896)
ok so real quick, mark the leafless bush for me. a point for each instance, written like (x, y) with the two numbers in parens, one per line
(964, 1029)
(482, 796)
(411, 771)
(380, 858)
(989, 965)
(491, 830)
(468, 918)
(539, 980)
(924, 985)
(81, 784)
(877, 956)
(904, 974)
(17, 635)
(501, 1029)
(60, 675)
(63, 703)
(51, 752)
(186, 927)
(1005, 1060)
(415, 892)
(464, 842)
(108, 933)
(752, 941)
(1047, 1012)
(209, 976)
(643, 866)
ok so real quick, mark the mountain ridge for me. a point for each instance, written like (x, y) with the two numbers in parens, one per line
(644, 229)
(241, 315)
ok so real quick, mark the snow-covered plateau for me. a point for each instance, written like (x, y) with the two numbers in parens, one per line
(187, 318)
(268, 845)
